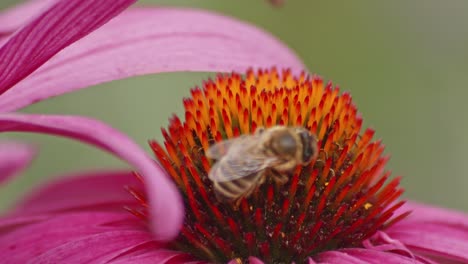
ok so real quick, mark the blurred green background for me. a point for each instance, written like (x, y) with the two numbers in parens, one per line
(404, 62)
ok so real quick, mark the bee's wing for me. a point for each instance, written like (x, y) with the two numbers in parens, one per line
(219, 149)
(240, 167)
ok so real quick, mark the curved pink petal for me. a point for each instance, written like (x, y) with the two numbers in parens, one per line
(17, 16)
(434, 231)
(104, 190)
(143, 41)
(434, 239)
(365, 256)
(161, 255)
(59, 26)
(166, 209)
(424, 212)
(14, 157)
(23, 244)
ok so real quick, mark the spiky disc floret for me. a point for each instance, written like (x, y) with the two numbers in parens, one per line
(337, 201)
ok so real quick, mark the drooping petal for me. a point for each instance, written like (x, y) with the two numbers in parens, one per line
(434, 231)
(166, 209)
(365, 256)
(152, 40)
(14, 157)
(17, 16)
(25, 243)
(104, 190)
(62, 24)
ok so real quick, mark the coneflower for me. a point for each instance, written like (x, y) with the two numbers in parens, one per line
(341, 208)
(341, 199)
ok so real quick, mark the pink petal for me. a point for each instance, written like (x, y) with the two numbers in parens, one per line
(382, 242)
(163, 256)
(365, 256)
(434, 239)
(11, 223)
(59, 26)
(143, 41)
(434, 231)
(38, 238)
(84, 191)
(423, 212)
(338, 257)
(254, 260)
(166, 209)
(17, 16)
(98, 248)
(14, 157)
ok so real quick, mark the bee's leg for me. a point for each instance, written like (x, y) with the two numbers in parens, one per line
(286, 166)
(262, 179)
(237, 203)
(280, 178)
(250, 191)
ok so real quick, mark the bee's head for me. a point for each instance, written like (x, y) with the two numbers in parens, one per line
(309, 145)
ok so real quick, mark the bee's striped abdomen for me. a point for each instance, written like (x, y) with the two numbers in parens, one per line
(228, 190)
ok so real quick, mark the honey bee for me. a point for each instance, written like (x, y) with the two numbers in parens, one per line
(243, 163)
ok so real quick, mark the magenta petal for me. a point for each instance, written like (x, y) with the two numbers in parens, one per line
(59, 26)
(85, 191)
(13, 158)
(98, 248)
(434, 231)
(17, 16)
(365, 256)
(143, 41)
(434, 239)
(32, 240)
(11, 223)
(166, 208)
(338, 257)
(423, 212)
(162, 256)
(254, 260)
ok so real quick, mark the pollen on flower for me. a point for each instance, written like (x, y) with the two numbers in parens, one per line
(340, 199)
